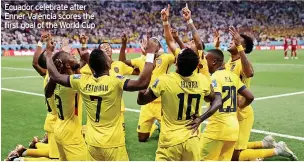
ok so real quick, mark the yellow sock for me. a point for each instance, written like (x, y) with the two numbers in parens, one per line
(36, 159)
(255, 145)
(250, 154)
(36, 152)
(154, 127)
(40, 145)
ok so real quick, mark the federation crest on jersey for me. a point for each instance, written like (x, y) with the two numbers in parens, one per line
(120, 77)
(116, 69)
(159, 61)
(214, 84)
(76, 76)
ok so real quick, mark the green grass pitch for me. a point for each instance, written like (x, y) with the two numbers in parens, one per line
(23, 114)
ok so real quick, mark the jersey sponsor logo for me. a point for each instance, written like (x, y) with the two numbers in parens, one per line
(76, 76)
(155, 83)
(214, 84)
(120, 77)
(116, 69)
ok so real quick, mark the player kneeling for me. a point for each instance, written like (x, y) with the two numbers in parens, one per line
(182, 93)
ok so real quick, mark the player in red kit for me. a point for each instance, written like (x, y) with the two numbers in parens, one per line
(285, 47)
(294, 43)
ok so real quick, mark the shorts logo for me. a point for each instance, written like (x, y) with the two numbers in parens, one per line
(214, 84)
(76, 76)
(116, 69)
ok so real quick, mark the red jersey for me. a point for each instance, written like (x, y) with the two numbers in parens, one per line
(294, 42)
(286, 42)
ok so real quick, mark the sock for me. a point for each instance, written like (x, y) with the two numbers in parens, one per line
(154, 127)
(36, 159)
(36, 152)
(255, 145)
(40, 145)
(250, 154)
(295, 54)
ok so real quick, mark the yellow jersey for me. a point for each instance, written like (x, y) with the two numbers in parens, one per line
(236, 67)
(223, 124)
(182, 97)
(51, 115)
(162, 65)
(117, 68)
(67, 127)
(202, 67)
(102, 99)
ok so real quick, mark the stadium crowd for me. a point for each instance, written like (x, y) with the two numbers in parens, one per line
(262, 20)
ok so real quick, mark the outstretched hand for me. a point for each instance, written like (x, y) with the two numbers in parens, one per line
(50, 46)
(165, 13)
(151, 47)
(235, 35)
(124, 38)
(44, 36)
(216, 38)
(186, 13)
(194, 125)
(83, 39)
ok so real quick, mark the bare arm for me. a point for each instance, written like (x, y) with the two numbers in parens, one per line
(215, 105)
(49, 89)
(122, 54)
(145, 96)
(168, 36)
(248, 98)
(37, 53)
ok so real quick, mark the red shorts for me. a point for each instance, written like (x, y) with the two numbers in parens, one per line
(285, 47)
(293, 48)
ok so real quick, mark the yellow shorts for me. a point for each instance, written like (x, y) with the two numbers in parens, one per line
(216, 150)
(53, 148)
(186, 151)
(148, 114)
(244, 133)
(107, 154)
(72, 152)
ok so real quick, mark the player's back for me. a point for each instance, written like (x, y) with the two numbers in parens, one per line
(102, 99)
(182, 97)
(67, 127)
(223, 124)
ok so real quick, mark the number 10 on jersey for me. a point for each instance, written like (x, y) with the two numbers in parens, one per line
(181, 97)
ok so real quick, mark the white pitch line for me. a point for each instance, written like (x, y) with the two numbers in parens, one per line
(13, 68)
(253, 130)
(266, 64)
(22, 77)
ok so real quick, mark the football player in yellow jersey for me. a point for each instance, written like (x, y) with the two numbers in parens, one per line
(240, 65)
(117, 67)
(152, 111)
(221, 132)
(68, 128)
(102, 95)
(182, 94)
(196, 44)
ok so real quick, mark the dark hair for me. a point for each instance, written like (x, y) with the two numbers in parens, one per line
(62, 56)
(248, 43)
(98, 61)
(187, 62)
(104, 43)
(42, 60)
(219, 54)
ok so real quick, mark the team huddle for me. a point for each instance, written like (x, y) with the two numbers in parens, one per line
(170, 101)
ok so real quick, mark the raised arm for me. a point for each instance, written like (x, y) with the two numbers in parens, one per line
(37, 53)
(247, 98)
(168, 36)
(83, 52)
(174, 33)
(53, 73)
(191, 26)
(246, 66)
(216, 39)
(122, 54)
(144, 78)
